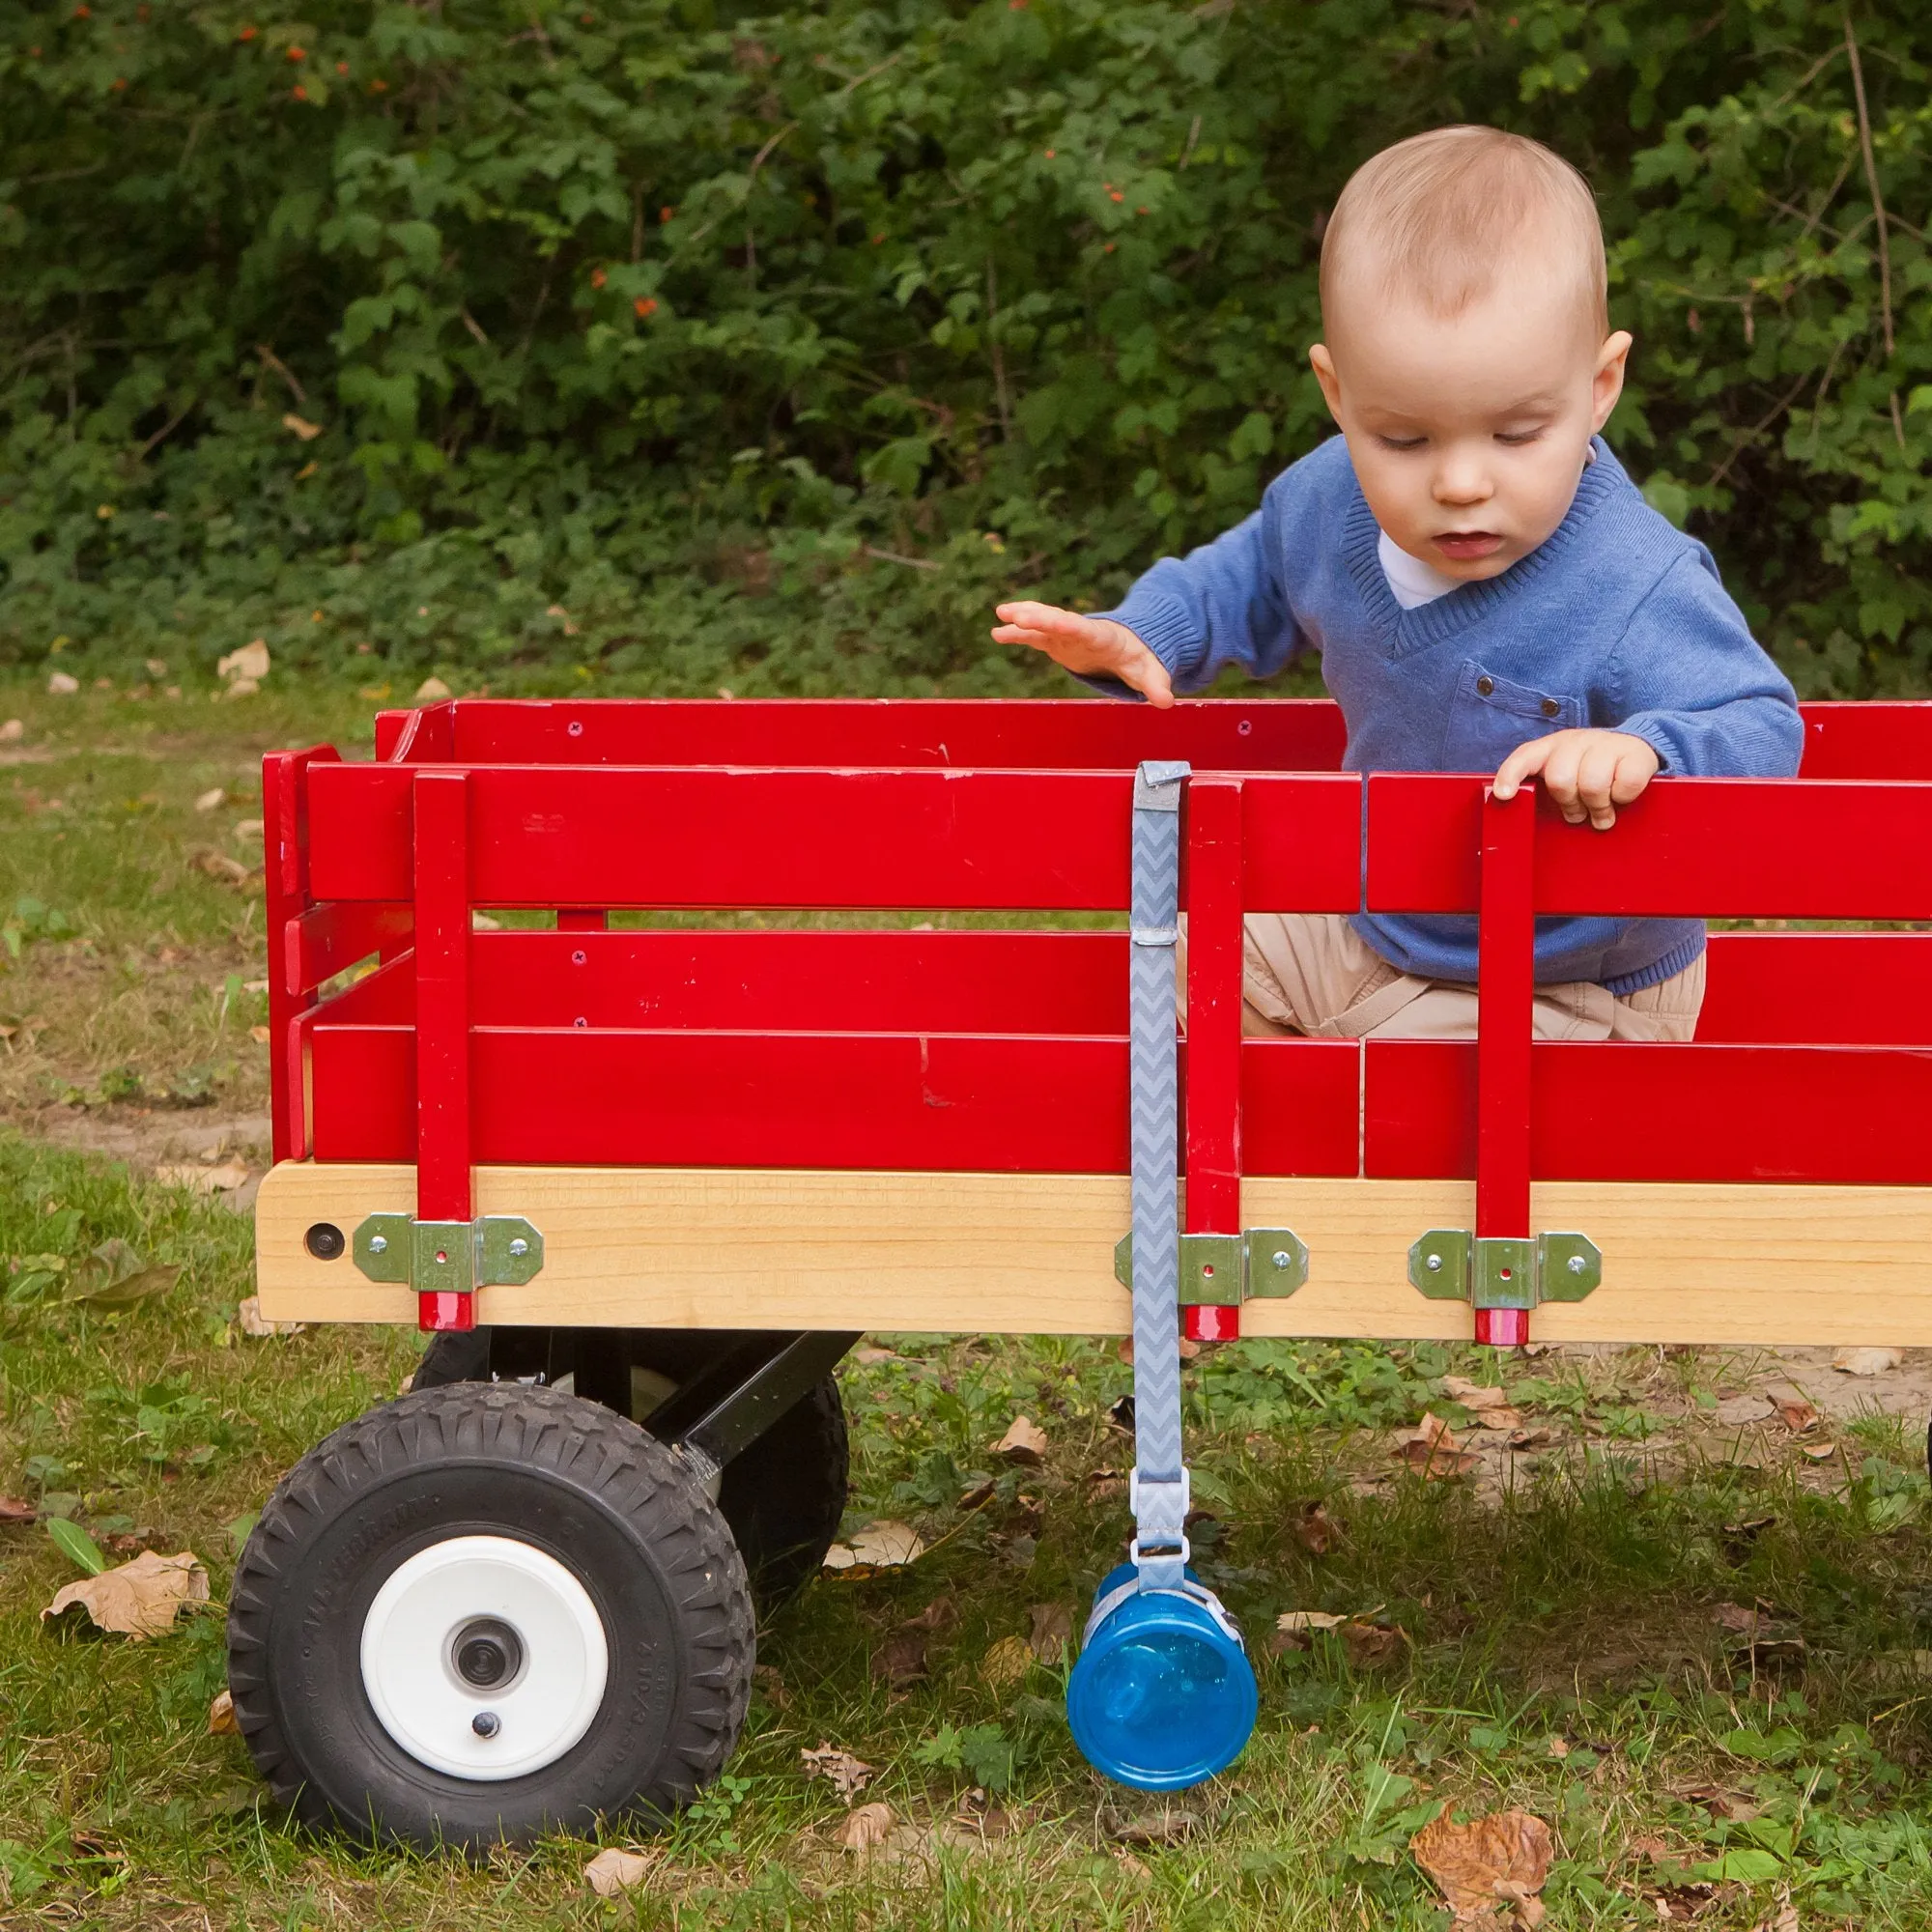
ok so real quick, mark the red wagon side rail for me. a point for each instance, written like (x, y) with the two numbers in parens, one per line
(927, 1129)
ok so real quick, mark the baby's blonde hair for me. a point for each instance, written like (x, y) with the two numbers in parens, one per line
(1437, 215)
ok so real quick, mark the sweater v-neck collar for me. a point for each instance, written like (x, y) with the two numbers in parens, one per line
(1443, 617)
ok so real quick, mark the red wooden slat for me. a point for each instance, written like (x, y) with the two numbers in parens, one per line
(839, 1100)
(1820, 988)
(1213, 1144)
(1506, 993)
(1242, 734)
(285, 825)
(1299, 1106)
(1868, 740)
(1602, 1111)
(1301, 841)
(330, 939)
(1690, 847)
(443, 1087)
(1050, 983)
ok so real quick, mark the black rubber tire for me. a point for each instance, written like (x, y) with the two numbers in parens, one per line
(783, 1497)
(590, 1488)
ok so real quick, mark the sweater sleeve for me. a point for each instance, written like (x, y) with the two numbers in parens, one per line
(1221, 604)
(1696, 687)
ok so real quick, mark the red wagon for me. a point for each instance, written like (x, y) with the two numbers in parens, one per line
(683, 1165)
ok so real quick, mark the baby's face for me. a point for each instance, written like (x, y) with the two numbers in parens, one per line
(1468, 435)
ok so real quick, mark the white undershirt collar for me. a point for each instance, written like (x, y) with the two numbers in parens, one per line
(1411, 581)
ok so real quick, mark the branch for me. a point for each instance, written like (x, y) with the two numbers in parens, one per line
(1872, 181)
(274, 361)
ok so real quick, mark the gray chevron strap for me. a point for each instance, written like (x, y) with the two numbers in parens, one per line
(1159, 1486)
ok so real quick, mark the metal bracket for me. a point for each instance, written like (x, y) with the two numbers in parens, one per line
(1225, 1270)
(1504, 1270)
(449, 1257)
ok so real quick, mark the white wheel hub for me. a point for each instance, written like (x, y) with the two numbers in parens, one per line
(483, 1658)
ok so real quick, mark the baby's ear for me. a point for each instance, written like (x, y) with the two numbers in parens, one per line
(1323, 365)
(1607, 383)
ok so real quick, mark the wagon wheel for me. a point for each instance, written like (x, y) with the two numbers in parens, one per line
(484, 1613)
(783, 1497)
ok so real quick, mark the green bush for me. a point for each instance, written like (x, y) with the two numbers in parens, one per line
(693, 346)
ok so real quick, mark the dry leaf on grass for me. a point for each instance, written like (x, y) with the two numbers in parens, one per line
(846, 1775)
(1295, 1622)
(611, 1873)
(879, 1546)
(12, 732)
(221, 1723)
(17, 1509)
(1431, 1449)
(1818, 1452)
(199, 1180)
(1680, 1904)
(212, 801)
(942, 1613)
(251, 661)
(770, 1686)
(60, 684)
(1797, 1414)
(1168, 1826)
(1052, 1632)
(1719, 1802)
(900, 1661)
(1501, 1420)
(1474, 1395)
(1865, 1361)
(432, 691)
(253, 1323)
(1025, 1441)
(1783, 1920)
(1736, 1411)
(864, 1830)
(1531, 1438)
(140, 1599)
(1006, 1662)
(1488, 1867)
(219, 866)
(1315, 1529)
(1371, 1644)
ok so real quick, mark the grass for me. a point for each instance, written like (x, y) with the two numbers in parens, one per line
(1559, 1643)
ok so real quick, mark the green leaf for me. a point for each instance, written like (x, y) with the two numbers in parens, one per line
(77, 1545)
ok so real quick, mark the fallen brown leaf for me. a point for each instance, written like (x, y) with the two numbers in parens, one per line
(1295, 1622)
(1679, 1904)
(846, 1775)
(1817, 1452)
(1025, 1441)
(1501, 1420)
(220, 867)
(138, 1600)
(1718, 1801)
(1007, 1661)
(1431, 1449)
(1371, 1644)
(212, 801)
(221, 1723)
(1783, 1920)
(1797, 1414)
(767, 1682)
(1168, 1826)
(900, 1661)
(1052, 1632)
(942, 1613)
(251, 1320)
(611, 1873)
(1531, 1438)
(1315, 1529)
(865, 1828)
(1497, 1860)
(879, 1546)
(1474, 1395)
(1648, 1846)
(1737, 1618)
(1865, 1361)
(17, 1509)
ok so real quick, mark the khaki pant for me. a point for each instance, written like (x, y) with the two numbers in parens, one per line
(1312, 973)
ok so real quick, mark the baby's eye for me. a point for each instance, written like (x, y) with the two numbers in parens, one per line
(1402, 442)
(1513, 438)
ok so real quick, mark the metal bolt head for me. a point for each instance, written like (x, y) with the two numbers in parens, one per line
(1281, 1258)
(486, 1723)
(378, 1244)
(1576, 1265)
(1433, 1264)
(520, 1246)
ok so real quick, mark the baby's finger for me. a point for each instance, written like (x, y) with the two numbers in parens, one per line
(1560, 779)
(1635, 768)
(1148, 676)
(1596, 778)
(1522, 763)
(1029, 615)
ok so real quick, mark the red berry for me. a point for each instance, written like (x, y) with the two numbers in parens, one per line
(598, 278)
(646, 307)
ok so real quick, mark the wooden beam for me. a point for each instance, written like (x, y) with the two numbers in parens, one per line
(1032, 1253)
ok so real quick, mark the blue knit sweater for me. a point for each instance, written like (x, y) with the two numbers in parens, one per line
(1617, 620)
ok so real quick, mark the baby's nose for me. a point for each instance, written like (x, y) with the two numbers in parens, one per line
(1463, 482)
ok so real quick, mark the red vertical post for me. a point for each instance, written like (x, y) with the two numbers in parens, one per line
(443, 1181)
(285, 886)
(1214, 1098)
(1506, 999)
(579, 920)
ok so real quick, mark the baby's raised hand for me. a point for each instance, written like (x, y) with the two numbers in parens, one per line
(1589, 774)
(1090, 646)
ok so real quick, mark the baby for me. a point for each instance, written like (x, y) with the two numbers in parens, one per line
(1486, 586)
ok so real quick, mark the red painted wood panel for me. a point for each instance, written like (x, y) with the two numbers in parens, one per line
(839, 1100)
(1819, 988)
(547, 836)
(330, 939)
(1212, 1155)
(1602, 1111)
(285, 824)
(1696, 847)
(1042, 982)
(1506, 993)
(1868, 740)
(443, 1034)
(1244, 735)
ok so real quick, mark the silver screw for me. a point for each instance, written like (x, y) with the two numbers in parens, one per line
(378, 1244)
(1576, 1263)
(1433, 1264)
(1281, 1258)
(520, 1246)
(486, 1723)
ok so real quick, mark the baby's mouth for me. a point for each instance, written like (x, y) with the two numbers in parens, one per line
(1467, 546)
